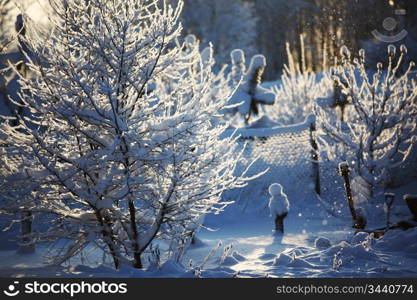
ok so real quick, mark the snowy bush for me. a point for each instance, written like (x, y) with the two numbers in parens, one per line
(379, 133)
(124, 151)
(296, 92)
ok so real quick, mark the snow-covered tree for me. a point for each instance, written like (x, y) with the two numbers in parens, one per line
(380, 131)
(119, 154)
(250, 94)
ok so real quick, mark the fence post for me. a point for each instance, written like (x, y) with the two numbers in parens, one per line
(389, 200)
(27, 246)
(411, 201)
(344, 171)
(315, 158)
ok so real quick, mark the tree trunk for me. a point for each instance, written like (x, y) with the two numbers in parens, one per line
(138, 260)
(108, 238)
(26, 246)
(315, 160)
(359, 221)
(136, 249)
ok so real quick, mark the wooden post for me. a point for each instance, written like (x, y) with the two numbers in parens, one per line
(315, 158)
(26, 246)
(279, 222)
(359, 221)
(411, 201)
(344, 171)
(389, 200)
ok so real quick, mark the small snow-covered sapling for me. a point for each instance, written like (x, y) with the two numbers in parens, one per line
(337, 261)
(389, 200)
(278, 205)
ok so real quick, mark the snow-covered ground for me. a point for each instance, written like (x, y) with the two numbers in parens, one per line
(315, 247)
(314, 244)
(242, 244)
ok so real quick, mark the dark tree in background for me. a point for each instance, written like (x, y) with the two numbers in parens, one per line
(316, 27)
(228, 25)
(326, 25)
(264, 26)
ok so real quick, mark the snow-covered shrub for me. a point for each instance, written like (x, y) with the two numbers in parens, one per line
(379, 133)
(296, 92)
(250, 94)
(278, 202)
(120, 154)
